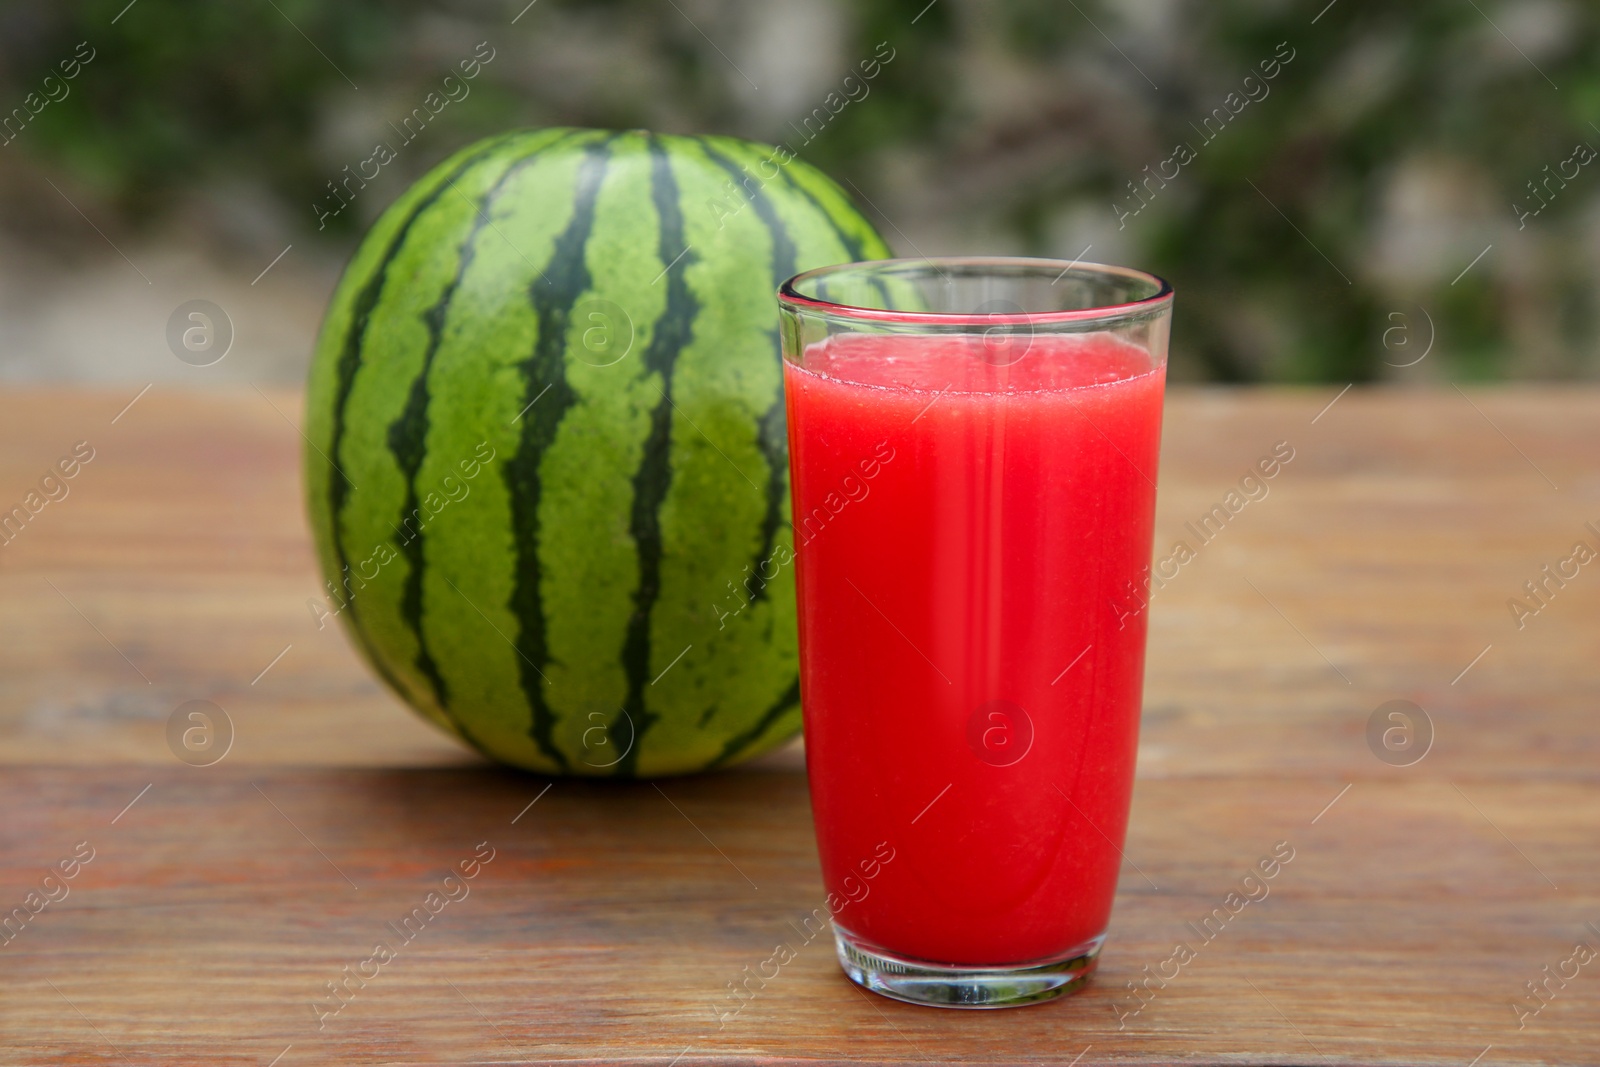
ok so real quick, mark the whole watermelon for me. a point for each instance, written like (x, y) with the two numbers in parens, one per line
(547, 473)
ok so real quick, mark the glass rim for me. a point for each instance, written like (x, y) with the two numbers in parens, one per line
(791, 298)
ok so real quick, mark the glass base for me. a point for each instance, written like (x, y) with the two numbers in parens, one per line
(946, 985)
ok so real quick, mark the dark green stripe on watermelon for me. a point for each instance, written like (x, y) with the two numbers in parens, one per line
(546, 397)
(771, 432)
(671, 332)
(854, 244)
(741, 741)
(407, 440)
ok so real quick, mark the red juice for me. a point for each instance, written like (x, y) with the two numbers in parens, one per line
(972, 662)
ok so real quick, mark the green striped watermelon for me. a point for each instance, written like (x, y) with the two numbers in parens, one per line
(547, 469)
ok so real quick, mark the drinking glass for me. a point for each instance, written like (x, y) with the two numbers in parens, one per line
(973, 446)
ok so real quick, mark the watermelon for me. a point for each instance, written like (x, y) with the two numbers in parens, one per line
(547, 469)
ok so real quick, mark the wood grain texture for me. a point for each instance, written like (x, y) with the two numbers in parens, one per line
(611, 918)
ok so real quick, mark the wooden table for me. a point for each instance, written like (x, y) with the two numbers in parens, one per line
(221, 901)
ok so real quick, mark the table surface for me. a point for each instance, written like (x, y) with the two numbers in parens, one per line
(221, 901)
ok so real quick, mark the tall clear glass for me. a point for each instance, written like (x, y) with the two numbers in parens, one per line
(973, 446)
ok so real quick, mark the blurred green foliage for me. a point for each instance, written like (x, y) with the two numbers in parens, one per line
(179, 93)
(1387, 154)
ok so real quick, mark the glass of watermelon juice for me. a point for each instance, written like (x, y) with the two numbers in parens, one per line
(973, 448)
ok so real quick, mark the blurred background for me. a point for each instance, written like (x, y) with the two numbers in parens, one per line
(1340, 192)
